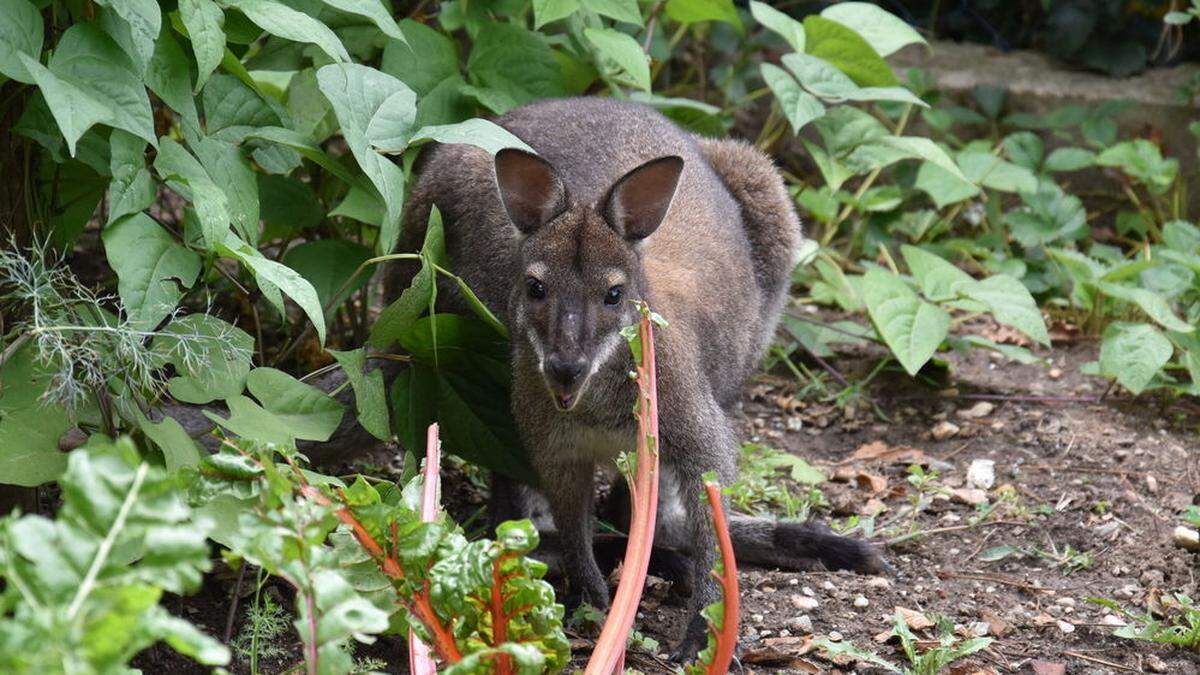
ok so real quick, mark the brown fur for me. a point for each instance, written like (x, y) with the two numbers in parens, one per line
(717, 268)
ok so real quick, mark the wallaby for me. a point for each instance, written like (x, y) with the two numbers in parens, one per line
(619, 205)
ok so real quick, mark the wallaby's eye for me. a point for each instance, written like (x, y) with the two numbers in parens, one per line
(613, 296)
(535, 289)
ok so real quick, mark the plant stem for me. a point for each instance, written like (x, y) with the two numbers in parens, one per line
(727, 637)
(110, 540)
(419, 660)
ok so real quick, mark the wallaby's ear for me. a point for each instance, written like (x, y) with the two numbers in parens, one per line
(638, 202)
(530, 189)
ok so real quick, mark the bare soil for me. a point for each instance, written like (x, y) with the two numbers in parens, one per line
(1106, 478)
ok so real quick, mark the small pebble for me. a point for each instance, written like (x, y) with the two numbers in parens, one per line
(802, 625)
(804, 603)
(835, 636)
(1065, 626)
(861, 601)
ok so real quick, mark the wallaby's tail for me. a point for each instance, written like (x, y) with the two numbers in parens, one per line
(800, 546)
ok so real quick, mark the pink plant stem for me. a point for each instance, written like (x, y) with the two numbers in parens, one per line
(610, 647)
(420, 661)
(727, 636)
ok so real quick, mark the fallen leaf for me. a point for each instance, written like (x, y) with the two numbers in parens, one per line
(969, 496)
(783, 652)
(996, 626)
(878, 451)
(915, 620)
(873, 507)
(872, 483)
(1049, 668)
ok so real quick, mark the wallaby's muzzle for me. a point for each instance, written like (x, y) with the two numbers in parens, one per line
(565, 374)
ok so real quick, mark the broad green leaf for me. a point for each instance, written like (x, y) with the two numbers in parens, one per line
(428, 58)
(939, 279)
(1142, 160)
(1181, 236)
(478, 132)
(228, 102)
(21, 32)
(75, 110)
(328, 265)
(824, 80)
(1025, 149)
(132, 188)
(211, 357)
(548, 11)
(620, 10)
(1153, 304)
(278, 19)
(371, 9)
(29, 426)
(695, 11)
(790, 29)
(414, 405)
(280, 277)
(624, 51)
(1015, 353)
(205, 23)
(91, 61)
(1133, 353)
(168, 74)
(227, 168)
(888, 149)
(178, 449)
(153, 270)
(358, 93)
(884, 31)
(186, 175)
(307, 412)
(310, 150)
(361, 205)
(1070, 159)
(1048, 215)
(847, 51)
(144, 20)
(912, 328)
(1011, 304)
(516, 63)
(986, 169)
(251, 421)
(370, 395)
(289, 207)
(798, 106)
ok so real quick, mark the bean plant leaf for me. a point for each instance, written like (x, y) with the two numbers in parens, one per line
(153, 270)
(303, 410)
(21, 32)
(884, 31)
(798, 106)
(373, 10)
(939, 279)
(370, 394)
(278, 19)
(178, 449)
(548, 11)
(132, 188)
(847, 51)
(1011, 304)
(1153, 304)
(145, 22)
(478, 132)
(1133, 353)
(619, 10)
(274, 277)
(186, 175)
(211, 357)
(624, 51)
(912, 328)
(826, 81)
(1069, 159)
(29, 426)
(205, 23)
(696, 11)
(790, 29)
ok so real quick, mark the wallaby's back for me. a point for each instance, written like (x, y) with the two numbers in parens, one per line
(718, 266)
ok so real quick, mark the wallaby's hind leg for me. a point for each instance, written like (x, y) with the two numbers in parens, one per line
(569, 487)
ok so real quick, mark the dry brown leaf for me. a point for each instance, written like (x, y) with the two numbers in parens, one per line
(873, 507)
(872, 483)
(1049, 668)
(915, 620)
(878, 451)
(970, 669)
(783, 652)
(996, 626)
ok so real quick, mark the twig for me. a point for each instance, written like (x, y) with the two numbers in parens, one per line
(233, 603)
(650, 24)
(1093, 659)
(950, 528)
(992, 578)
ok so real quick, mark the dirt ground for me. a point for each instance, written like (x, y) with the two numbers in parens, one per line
(1107, 479)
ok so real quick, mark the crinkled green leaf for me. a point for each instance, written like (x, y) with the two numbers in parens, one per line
(1133, 353)
(912, 328)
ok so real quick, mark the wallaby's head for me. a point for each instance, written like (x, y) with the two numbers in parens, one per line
(580, 264)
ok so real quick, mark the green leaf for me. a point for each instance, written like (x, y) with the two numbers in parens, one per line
(211, 357)
(695, 11)
(1025, 149)
(29, 426)
(153, 270)
(1011, 304)
(278, 19)
(620, 10)
(167, 75)
(327, 264)
(91, 61)
(548, 11)
(885, 32)
(791, 29)
(187, 176)
(132, 188)
(178, 449)
(1070, 159)
(75, 110)
(276, 276)
(478, 132)
(1153, 304)
(1133, 353)
(912, 328)
(144, 20)
(289, 208)
(361, 205)
(516, 63)
(21, 32)
(624, 51)
(1048, 215)
(370, 395)
(939, 280)
(824, 80)
(428, 58)
(847, 51)
(986, 169)
(298, 410)
(1142, 160)
(205, 23)
(364, 99)
(371, 9)
(798, 106)
(224, 164)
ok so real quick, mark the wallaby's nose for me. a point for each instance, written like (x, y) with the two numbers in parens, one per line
(565, 369)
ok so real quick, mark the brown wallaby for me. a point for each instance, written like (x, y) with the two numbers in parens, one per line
(618, 205)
